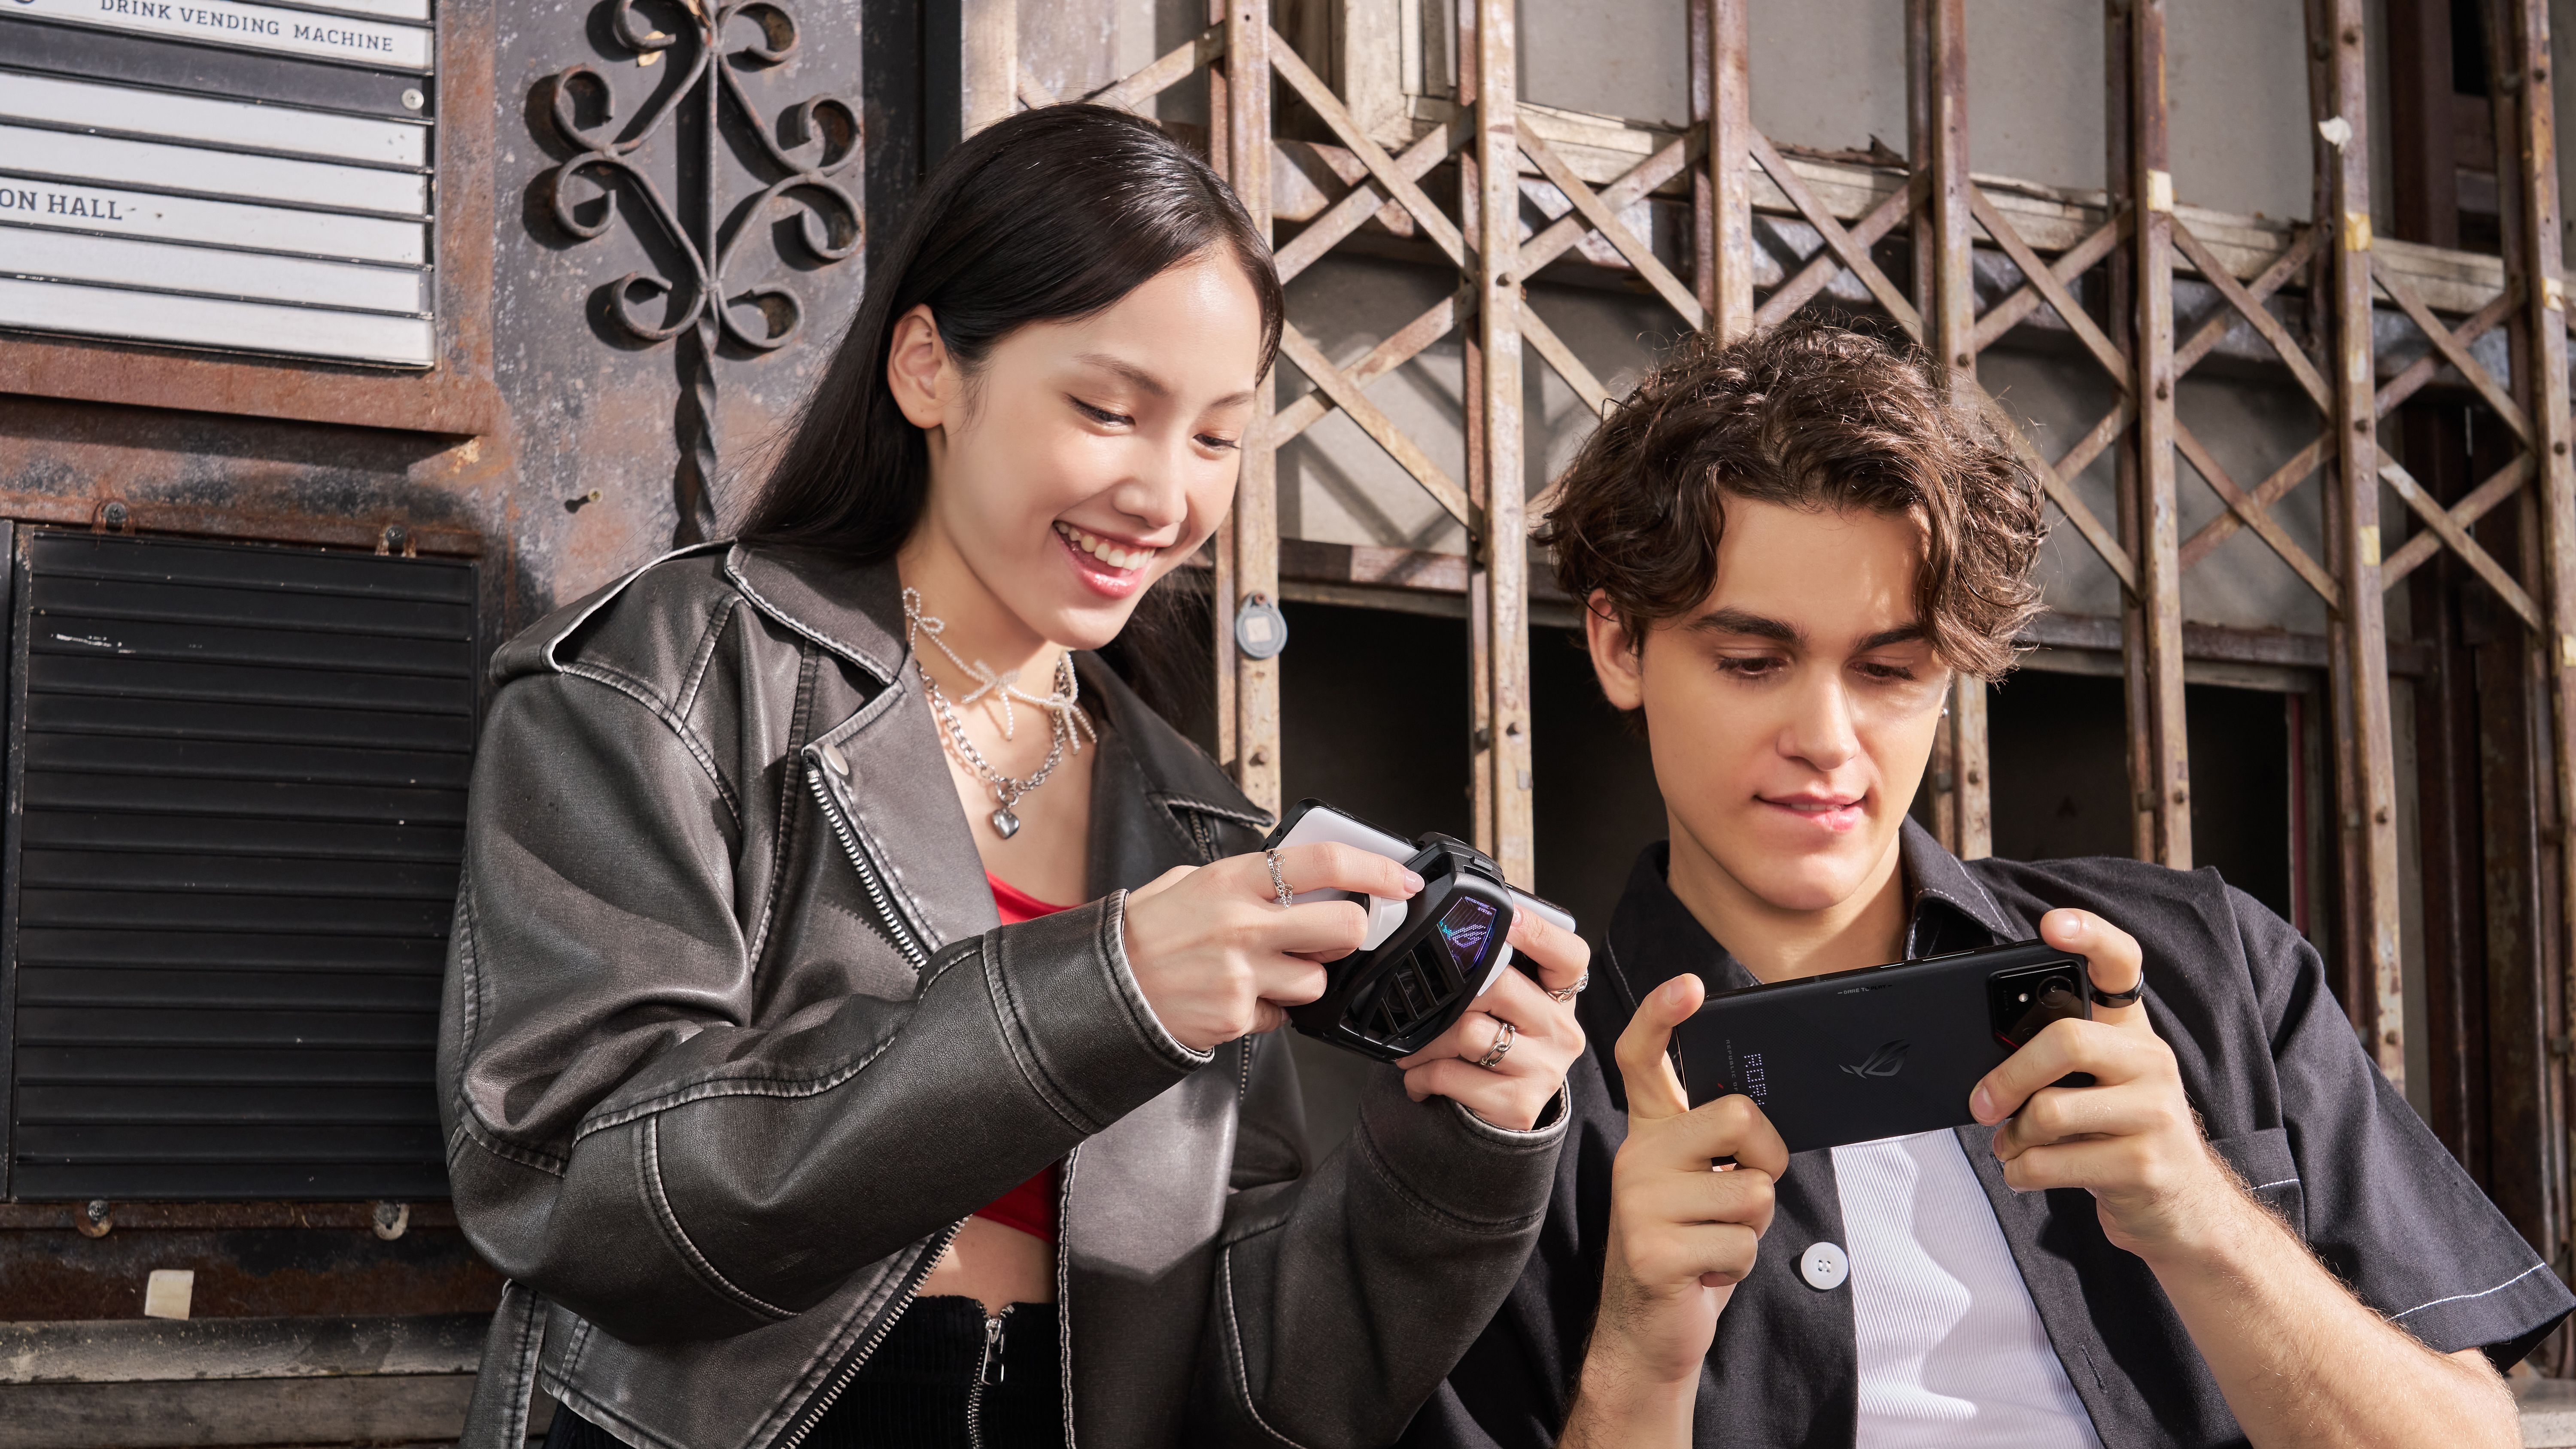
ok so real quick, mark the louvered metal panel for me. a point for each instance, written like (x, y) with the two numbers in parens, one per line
(236, 782)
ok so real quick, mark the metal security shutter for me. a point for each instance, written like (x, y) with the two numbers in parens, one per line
(236, 796)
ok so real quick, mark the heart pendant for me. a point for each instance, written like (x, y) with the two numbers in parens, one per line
(1005, 824)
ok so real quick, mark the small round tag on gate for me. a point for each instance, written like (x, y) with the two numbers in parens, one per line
(1260, 630)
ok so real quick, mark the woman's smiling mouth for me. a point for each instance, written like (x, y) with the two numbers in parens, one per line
(1110, 552)
(1106, 566)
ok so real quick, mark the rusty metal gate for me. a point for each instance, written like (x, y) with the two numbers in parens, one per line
(2130, 252)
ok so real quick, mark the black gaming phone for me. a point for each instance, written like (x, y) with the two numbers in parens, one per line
(1884, 1051)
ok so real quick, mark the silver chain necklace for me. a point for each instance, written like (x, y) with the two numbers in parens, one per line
(1060, 706)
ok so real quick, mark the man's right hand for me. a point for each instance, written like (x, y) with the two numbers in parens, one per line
(1681, 1236)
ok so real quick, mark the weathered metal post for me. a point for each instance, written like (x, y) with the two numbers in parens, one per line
(989, 65)
(2370, 811)
(1504, 546)
(2540, 376)
(1962, 793)
(1471, 425)
(1256, 492)
(2118, 114)
(2166, 791)
(1721, 102)
(1221, 592)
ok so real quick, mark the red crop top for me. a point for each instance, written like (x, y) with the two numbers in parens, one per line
(1030, 1207)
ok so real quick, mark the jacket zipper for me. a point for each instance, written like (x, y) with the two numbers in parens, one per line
(859, 1357)
(897, 929)
(988, 1374)
(908, 941)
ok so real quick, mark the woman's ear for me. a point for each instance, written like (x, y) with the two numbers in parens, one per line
(919, 371)
(1618, 657)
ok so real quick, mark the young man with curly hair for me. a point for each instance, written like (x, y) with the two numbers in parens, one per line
(1787, 546)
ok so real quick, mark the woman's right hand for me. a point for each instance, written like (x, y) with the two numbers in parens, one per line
(1218, 957)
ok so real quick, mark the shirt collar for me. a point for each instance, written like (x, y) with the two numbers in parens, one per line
(1654, 937)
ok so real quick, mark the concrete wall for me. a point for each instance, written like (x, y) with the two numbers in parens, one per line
(1832, 73)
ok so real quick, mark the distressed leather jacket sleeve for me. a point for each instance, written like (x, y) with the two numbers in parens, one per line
(1347, 1289)
(624, 1140)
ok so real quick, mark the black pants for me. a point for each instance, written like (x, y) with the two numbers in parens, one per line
(918, 1391)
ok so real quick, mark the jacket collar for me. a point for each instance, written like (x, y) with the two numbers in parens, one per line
(855, 610)
(1654, 937)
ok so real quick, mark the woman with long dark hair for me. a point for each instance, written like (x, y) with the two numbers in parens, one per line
(780, 1073)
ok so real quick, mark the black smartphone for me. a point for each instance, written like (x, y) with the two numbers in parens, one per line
(1884, 1051)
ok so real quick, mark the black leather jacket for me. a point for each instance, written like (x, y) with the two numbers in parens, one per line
(732, 1043)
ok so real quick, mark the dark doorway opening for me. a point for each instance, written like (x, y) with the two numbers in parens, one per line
(1376, 721)
(2059, 743)
(1373, 716)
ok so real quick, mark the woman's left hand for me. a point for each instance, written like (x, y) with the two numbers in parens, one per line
(1545, 1039)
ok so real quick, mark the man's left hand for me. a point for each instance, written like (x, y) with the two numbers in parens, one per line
(2131, 1139)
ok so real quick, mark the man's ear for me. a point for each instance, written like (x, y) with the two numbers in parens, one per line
(919, 371)
(1618, 657)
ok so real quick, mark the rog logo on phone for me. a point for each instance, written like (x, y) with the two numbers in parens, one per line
(1887, 1061)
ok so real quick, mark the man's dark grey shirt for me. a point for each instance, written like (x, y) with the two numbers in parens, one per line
(2287, 1096)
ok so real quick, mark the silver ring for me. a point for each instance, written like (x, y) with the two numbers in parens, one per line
(1278, 882)
(1502, 1046)
(1568, 993)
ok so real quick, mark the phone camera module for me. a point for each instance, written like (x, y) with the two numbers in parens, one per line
(2022, 1003)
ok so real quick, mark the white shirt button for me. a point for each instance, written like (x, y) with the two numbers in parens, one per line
(1824, 1267)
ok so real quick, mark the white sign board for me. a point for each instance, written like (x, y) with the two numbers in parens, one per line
(221, 174)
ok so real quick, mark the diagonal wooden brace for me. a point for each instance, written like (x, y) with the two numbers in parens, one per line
(2255, 516)
(2061, 491)
(1855, 257)
(1166, 71)
(1613, 230)
(1381, 429)
(2293, 356)
(1407, 342)
(2457, 539)
(1450, 312)
(1311, 89)
(2479, 502)
(1559, 236)
(2423, 369)
(2093, 444)
(2455, 353)
(1821, 268)
(1543, 338)
(1365, 200)
(2319, 452)
(2275, 274)
(1033, 93)
(2074, 262)
(2105, 352)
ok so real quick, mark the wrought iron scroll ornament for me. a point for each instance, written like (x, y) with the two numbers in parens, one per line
(809, 171)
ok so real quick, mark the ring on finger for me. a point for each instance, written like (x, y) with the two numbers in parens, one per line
(2119, 998)
(1504, 1032)
(1568, 993)
(1278, 882)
